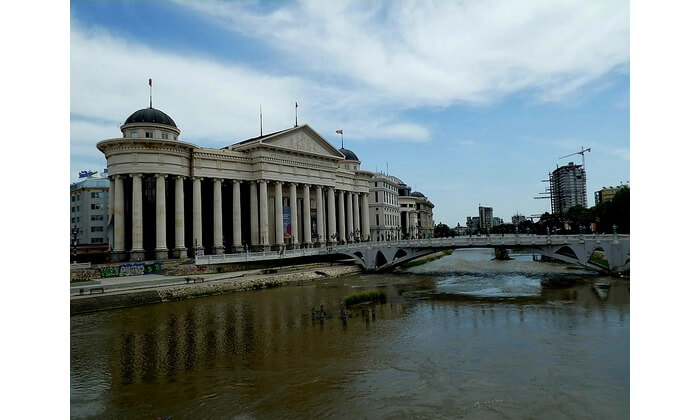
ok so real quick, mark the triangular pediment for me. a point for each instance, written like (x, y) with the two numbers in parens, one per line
(302, 139)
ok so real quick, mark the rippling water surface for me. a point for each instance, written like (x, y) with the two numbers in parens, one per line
(463, 336)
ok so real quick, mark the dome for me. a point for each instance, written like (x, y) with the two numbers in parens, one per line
(417, 194)
(349, 154)
(150, 115)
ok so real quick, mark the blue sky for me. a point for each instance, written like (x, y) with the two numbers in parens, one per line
(468, 102)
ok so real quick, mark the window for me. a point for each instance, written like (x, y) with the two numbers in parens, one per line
(72, 219)
(376, 199)
(96, 206)
(134, 135)
(72, 209)
(377, 219)
(95, 195)
(164, 136)
(96, 229)
(72, 198)
(97, 217)
(77, 208)
(149, 134)
(96, 240)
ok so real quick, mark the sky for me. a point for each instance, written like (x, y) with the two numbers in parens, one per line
(469, 102)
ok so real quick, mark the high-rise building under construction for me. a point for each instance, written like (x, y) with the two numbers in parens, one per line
(567, 186)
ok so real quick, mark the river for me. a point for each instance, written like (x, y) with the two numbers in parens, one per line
(462, 336)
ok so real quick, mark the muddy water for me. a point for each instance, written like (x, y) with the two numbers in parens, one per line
(463, 336)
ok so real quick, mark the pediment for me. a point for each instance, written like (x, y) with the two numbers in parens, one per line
(303, 139)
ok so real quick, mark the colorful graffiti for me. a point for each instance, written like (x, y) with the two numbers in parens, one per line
(135, 269)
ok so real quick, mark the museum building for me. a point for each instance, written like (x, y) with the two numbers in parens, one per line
(170, 199)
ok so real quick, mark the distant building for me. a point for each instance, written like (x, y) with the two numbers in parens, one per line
(473, 223)
(485, 217)
(606, 194)
(497, 221)
(518, 219)
(568, 188)
(89, 210)
(385, 216)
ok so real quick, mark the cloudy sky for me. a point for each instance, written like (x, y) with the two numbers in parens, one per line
(469, 102)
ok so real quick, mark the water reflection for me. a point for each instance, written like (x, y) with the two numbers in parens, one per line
(444, 345)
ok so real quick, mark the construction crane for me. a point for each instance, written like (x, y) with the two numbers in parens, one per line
(580, 153)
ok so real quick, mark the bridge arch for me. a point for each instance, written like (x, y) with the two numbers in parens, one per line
(380, 259)
(399, 254)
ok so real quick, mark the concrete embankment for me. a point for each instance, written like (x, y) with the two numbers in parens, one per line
(204, 285)
(424, 260)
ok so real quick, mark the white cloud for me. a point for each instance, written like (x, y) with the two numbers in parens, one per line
(213, 103)
(439, 53)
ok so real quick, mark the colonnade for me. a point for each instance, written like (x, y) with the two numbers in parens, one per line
(352, 210)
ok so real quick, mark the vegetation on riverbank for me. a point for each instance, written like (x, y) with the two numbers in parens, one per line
(599, 258)
(427, 259)
(357, 298)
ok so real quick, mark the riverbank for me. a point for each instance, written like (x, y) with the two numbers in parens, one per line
(173, 288)
(424, 260)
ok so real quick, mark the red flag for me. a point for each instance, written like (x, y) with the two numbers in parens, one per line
(339, 131)
(150, 82)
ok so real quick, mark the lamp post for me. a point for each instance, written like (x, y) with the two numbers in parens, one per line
(75, 232)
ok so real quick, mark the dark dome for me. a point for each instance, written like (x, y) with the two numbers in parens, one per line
(417, 194)
(349, 154)
(150, 115)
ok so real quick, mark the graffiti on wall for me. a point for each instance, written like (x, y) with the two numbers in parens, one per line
(135, 269)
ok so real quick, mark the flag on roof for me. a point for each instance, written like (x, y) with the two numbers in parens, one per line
(339, 131)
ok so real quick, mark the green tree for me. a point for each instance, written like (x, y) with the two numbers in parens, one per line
(442, 231)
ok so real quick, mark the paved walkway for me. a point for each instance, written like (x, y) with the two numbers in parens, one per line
(148, 281)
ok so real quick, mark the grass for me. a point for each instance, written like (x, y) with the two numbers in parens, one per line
(600, 261)
(357, 298)
(424, 260)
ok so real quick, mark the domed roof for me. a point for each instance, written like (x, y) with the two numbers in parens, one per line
(150, 115)
(417, 194)
(349, 154)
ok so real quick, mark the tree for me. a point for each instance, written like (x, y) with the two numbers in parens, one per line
(442, 231)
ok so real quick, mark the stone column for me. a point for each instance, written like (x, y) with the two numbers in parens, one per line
(307, 216)
(180, 250)
(161, 244)
(332, 234)
(293, 208)
(137, 252)
(348, 215)
(111, 200)
(365, 216)
(264, 222)
(356, 212)
(413, 224)
(218, 219)
(254, 232)
(341, 217)
(279, 218)
(118, 251)
(197, 216)
(237, 239)
(320, 215)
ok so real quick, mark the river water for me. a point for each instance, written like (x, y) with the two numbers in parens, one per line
(463, 336)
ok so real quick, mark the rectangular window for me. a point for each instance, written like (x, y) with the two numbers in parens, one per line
(95, 195)
(96, 229)
(72, 198)
(377, 219)
(149, 134)
(72, 219)
(96, 206)
(72, 209)
(77, 208)
(376, 199)
(77, 220)
(96, 240)
(164, 135)
(134, 135)
(97, 217)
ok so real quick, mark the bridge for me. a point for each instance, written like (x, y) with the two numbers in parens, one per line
(383, 256)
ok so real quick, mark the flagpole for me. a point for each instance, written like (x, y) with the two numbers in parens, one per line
(296, 114)
(150, 94)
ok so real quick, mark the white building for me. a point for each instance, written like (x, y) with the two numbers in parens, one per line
(385, 216)
(171, 198)
(568, 188)
(89, 212)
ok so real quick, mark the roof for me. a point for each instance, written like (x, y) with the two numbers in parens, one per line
(349, 154)
(150, 115)
(417, 194)
(90, 183)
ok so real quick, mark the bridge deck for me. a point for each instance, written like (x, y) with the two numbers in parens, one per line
(493, 241)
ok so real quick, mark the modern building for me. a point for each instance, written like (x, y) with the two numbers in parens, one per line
(606, 194)
(485, 217)
(567, 186)
(497, 221)
(518, 219)
(89, 214)
(384, 207)
(288, 189)
(473, 224)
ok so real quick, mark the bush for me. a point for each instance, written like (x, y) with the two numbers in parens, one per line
(358, 298)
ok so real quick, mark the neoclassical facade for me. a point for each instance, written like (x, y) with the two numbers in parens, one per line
(170, 199)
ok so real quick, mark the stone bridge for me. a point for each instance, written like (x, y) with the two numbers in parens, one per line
(381, 256)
